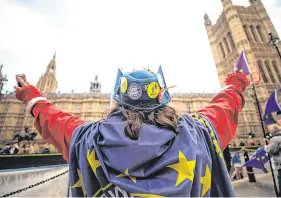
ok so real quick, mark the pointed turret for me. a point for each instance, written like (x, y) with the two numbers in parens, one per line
(48, 83)
(226, 4)
(207, 20)
(51, 68)
(95, 86)
(1, 75)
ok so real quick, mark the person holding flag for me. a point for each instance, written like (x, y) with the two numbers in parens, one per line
(274, 149)
(143, 147)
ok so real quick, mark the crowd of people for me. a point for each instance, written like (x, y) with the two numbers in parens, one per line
(235, 162)
(16, 149)
(20, 147)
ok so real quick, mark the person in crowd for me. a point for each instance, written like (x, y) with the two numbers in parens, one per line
(15, 149)
(274, 149)
(7, 149)
(237, 164)
(143, 147)
(26, 130)
(227, 158)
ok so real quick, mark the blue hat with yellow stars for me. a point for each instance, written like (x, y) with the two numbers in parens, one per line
(141, 90)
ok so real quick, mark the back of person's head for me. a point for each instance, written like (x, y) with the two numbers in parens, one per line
(142, 97)
(275, 129)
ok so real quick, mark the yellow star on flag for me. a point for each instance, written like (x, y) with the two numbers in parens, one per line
(79, 183)
(184, 168)
(126, 174)
(206, 181)
(92, 160)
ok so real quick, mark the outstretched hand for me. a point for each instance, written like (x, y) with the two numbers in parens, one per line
(27, 92)
(22, 82)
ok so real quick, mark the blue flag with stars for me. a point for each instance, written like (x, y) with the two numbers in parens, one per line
(242, 65)
(161, 163)
(258, 160)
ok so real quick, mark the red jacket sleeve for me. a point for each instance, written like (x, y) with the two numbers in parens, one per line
(225, 106)
(55, 125)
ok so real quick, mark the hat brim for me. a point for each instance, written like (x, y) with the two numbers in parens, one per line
(145, 107)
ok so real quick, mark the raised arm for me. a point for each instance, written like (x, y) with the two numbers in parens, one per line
(225, 106)
(54, 125)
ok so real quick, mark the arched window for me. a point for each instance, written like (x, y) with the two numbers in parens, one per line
(222, 50)
(231, 40)
(269, 71)
(226, 44)
(274, 65)
(260, 33)
(262, 72)
(247, 33)
(253, 33)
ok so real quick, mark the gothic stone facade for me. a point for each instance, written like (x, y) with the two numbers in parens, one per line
(89, 106)
(246, 28)
(238, 28)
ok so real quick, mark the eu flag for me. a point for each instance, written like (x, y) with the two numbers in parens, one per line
(271, 106)
(242, 65)
(104, 162)
(258, 160)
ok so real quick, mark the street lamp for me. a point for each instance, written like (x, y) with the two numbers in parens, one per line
(263, 128)
(273, 40)
(2, 80)
(188, 108)
(255, 97)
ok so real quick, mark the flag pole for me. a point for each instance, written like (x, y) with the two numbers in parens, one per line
(264, 134)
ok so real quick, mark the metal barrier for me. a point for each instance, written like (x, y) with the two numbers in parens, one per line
(33, 185)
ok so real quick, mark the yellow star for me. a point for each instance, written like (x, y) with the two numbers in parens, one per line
(92, 160)
(206, 181)
(126, 174)
(184, 168)
(79, 183)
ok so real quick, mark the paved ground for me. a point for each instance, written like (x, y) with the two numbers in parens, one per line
(9, 181)
(262, 188)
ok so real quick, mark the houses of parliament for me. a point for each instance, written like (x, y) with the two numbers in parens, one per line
(238, 28)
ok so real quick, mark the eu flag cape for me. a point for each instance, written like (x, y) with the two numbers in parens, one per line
(162, 163)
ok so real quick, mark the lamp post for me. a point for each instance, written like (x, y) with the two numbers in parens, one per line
(264, 133)
(2, 80)
(273, 40)
(188, 108)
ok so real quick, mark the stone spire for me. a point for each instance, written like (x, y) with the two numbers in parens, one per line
(47, 82)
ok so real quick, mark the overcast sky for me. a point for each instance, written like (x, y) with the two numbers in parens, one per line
(98, 36)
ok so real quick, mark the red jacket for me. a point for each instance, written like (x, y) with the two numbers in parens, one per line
(57, 126)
